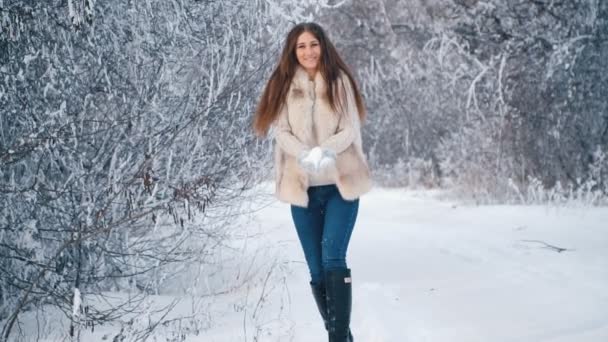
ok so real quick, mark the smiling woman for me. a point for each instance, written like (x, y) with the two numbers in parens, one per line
(313, 102)
(308, 51)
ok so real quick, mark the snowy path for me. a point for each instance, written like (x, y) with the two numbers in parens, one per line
(424, 270)
(427, 270)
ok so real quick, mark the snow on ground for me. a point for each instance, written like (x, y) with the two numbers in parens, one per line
(430, 270)
(425, 270)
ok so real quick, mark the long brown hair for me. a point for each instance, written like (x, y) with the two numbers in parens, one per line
(275, 92)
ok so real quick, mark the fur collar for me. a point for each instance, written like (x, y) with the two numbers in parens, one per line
(301, 81)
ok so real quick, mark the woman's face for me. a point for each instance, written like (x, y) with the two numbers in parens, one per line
(308, 51)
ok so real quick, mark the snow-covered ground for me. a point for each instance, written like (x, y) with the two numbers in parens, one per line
(423, 270)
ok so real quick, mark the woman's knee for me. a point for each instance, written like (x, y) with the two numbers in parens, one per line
(334, 263)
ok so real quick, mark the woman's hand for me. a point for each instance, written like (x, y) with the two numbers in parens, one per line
(317, 159)
(328, 159)
(307, 161)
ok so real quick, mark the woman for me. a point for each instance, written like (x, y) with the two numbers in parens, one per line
(314, 105)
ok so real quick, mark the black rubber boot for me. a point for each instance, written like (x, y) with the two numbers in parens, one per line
(339, 304)
(318, 291)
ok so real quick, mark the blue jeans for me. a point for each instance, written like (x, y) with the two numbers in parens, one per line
(324, 229)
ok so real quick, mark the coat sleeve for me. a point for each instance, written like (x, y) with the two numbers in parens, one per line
(349, 122)
(284, 136)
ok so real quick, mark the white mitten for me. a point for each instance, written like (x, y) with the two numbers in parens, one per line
(328, 159)
(309, 160)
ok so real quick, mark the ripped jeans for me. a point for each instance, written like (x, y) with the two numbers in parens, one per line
(324, 229)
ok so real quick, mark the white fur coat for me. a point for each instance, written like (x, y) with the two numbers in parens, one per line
(307, 120)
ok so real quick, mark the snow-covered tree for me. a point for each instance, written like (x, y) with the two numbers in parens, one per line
(485, 91)
(122, 121)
